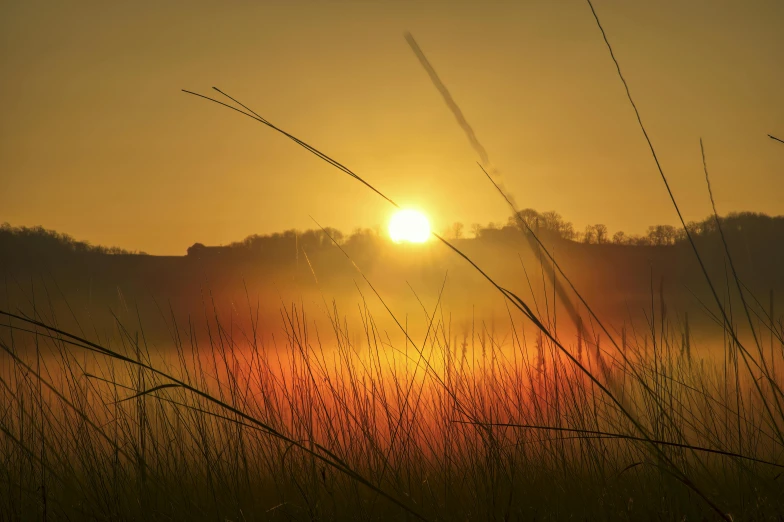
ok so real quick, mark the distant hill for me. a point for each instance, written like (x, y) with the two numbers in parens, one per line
(43, 242)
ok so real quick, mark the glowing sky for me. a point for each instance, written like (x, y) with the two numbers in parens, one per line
(96, 139)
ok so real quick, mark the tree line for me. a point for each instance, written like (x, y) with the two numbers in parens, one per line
(552, 224)
(43, 241)
(752, 226)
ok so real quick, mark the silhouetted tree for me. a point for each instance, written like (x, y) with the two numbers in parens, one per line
(661, 234)
(589, 236)
(601, 233)
(527, 215)
(457, 230)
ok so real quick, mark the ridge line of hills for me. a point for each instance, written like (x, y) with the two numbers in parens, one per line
(752, 227)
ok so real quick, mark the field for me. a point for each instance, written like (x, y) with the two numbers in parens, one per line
(556, 412)
(526, 422)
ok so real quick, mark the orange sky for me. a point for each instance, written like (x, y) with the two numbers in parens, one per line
(99, 142)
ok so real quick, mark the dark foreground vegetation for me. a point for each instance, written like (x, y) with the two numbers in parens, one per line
(313, 426)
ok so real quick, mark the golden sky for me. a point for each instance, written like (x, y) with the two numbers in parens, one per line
(96, 139)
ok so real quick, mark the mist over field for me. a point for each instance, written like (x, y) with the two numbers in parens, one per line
(624, 279)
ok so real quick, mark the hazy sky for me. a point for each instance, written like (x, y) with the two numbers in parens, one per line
(97, 140)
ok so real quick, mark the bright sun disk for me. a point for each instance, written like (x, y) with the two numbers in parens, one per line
(409, 226)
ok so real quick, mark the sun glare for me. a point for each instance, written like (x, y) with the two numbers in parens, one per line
(409, 226)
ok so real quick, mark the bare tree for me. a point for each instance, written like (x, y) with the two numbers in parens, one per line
(601, 233)
(528, 215)
(662, 234)
(589, 236)
(457, 230)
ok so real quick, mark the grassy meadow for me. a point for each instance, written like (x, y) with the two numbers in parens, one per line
(318, 426)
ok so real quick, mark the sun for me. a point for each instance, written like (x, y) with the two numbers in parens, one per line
(409, 226)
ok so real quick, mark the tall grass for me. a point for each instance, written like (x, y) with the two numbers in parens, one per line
(319, 427)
